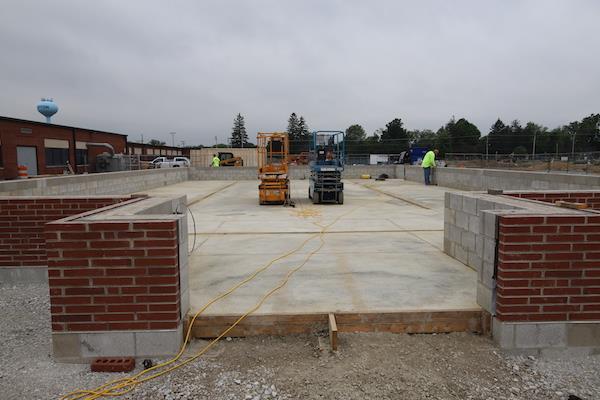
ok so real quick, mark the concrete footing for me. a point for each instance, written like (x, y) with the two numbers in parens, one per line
(548, 339)
(81, 347)
(16, 275)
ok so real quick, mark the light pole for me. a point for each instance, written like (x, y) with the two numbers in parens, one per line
(487, 149)
(573, 147)
(172, 138)
(533, 151)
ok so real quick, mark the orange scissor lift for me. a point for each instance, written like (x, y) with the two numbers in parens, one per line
(273, 160)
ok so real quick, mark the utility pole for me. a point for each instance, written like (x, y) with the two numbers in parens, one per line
(172, 138)
(573, 147)
(216, 141)
(533, 151)
(142, 138)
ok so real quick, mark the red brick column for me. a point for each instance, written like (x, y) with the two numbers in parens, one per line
(116, 275)
(548, 268)
(22, 223)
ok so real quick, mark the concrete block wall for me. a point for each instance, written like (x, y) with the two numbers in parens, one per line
(470, 236)
(540, 270)
(95, 184)
(295, 172)
(22, 220)
(223, 173)
(465, 228)
(484, 179)
(355, 171)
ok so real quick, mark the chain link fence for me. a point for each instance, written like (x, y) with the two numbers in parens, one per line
(587, 162)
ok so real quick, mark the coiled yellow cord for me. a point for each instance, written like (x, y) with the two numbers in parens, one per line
(120, 387)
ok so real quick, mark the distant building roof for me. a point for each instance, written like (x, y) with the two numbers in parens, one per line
(56, 125)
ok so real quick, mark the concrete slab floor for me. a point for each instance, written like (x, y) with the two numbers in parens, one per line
(379, 253)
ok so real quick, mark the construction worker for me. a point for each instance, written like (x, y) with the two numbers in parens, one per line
(429, 163)
(216, 162)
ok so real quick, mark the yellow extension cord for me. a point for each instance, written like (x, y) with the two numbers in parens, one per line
(120, 387)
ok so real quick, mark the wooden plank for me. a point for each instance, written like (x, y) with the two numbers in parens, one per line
(333, 331)
(438, 321)
(571, 205)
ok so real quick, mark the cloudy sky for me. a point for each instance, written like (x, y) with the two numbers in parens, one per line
(154, 67)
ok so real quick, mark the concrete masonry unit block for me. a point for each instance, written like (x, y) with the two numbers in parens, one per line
(546, 298)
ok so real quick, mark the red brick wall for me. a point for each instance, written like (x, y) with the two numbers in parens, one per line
(11, 136)
(22, 225)
(113, 275)
(548, 268)
(592, 199)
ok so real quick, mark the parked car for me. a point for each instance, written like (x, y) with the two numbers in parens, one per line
(164, 162)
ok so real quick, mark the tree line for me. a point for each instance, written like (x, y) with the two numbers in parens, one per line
(456, 136)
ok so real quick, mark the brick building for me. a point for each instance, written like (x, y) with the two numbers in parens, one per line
(45, 148)
(148, 152)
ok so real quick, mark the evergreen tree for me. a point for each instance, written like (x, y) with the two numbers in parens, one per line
(498, 138)
(303, 133)
(298, 134)
(239, 137)
(292, 129)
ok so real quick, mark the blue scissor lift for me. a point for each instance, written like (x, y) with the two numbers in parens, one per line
(326, 161)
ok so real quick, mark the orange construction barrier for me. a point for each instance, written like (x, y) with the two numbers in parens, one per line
(22, 171)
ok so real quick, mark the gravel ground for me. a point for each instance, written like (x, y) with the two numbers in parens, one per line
(368, 366)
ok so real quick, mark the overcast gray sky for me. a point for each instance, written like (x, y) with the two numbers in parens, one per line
(154, 67)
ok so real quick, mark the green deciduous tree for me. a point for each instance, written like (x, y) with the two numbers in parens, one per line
(355, 133)
(424, 138)
(395, 137)
(463, 136)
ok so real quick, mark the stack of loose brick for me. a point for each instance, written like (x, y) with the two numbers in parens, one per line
(548, 268)
(22, 223)
(113, 275)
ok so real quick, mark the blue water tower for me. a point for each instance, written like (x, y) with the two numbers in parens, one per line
(47, 108)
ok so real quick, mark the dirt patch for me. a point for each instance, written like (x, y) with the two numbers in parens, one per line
(367, 366)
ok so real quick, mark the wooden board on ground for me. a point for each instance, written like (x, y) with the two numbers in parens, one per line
(469, 320)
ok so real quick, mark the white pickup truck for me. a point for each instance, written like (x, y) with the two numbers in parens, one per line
(164, 162)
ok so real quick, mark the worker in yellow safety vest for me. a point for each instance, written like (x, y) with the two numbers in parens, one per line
(429, 163)
(216, 162)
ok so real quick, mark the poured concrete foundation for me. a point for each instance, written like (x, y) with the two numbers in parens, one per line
(379, 262)
(381, 252)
